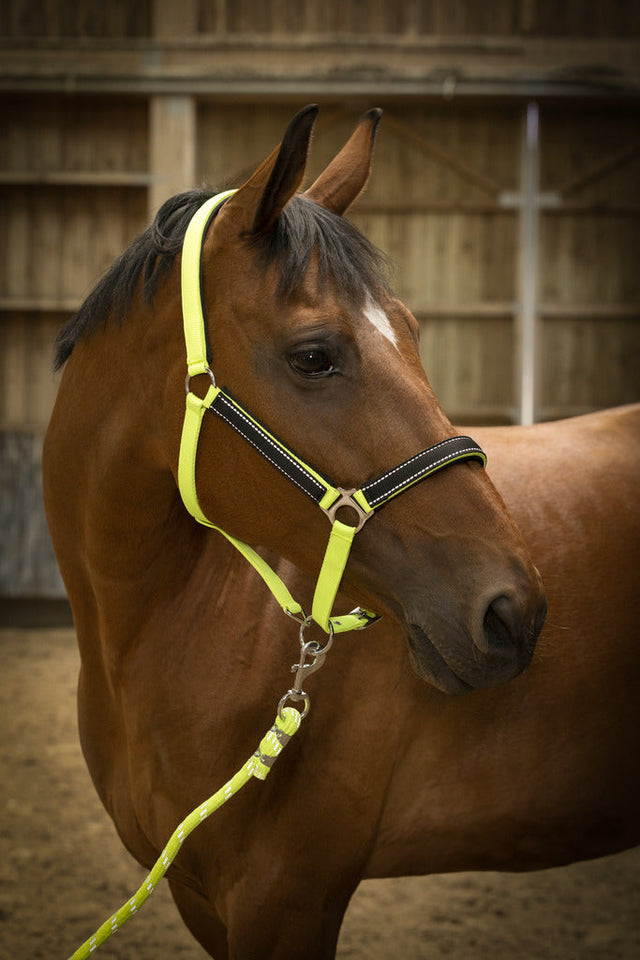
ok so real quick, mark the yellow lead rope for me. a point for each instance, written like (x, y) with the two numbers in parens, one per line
(287, 723)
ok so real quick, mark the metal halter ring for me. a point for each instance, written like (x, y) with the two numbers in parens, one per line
(187, 380)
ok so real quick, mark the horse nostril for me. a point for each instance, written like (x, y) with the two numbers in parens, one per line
(507, 630)
(503, 625)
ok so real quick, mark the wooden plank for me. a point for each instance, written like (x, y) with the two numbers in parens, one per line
(590, 363)
(26, 20)
(28, 383)
(487, 184)
(60, 239)
(233, 139)
(39, 305)
(602, 169)
(593, 151)
(469, 364)
(58, 139)
(170, 19)
(14, 373)
(446, 259)
(15, 227)
(589, 259)
(47, 244)
(77, 263)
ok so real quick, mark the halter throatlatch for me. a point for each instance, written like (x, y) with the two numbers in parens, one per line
(330, 499)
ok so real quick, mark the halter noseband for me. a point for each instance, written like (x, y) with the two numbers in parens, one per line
(328, 497)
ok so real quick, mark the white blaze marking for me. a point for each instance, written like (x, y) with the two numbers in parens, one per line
(380, 321)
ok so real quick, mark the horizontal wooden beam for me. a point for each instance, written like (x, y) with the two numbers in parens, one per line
(75, 178)
(297, 66)
(418, 207)
(589, 311)
(476, 310)
(39, 305)
(480, 310)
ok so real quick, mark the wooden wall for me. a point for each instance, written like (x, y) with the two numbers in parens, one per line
(443, 202)
(81, 173)
(73, 193)
(123, 18)
(589, 281)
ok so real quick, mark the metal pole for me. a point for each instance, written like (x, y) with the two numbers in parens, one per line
(529, 265)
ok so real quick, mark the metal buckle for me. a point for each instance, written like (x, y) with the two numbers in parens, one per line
(346, 499)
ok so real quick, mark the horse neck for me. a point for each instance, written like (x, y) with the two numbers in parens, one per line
(120, 509)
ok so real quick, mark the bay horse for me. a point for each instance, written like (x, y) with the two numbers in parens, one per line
(439, 739)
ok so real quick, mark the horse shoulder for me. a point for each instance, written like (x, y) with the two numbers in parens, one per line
(580, 468)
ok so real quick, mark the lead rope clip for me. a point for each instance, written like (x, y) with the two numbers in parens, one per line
(312, 657)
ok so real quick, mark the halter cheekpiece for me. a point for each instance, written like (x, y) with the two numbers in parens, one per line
(361, 502)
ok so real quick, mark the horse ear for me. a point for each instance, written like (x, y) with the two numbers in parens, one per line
(258, 203)
(345, 177)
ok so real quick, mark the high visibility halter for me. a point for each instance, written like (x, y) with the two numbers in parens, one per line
(330, 498)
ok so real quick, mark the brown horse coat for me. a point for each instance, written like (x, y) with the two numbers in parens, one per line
(185, 655)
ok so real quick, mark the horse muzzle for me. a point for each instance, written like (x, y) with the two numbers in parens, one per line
(497, 646)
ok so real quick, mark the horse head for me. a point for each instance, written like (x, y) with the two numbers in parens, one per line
(305, 331)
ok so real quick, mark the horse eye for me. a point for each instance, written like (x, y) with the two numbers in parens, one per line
(313, 362)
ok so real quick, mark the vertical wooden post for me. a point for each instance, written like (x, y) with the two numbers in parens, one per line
(172, 119)
(172, 147)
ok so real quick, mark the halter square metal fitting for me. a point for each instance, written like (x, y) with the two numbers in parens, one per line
(348, 500)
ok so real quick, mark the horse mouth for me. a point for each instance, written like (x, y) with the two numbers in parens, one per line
(430, 665)
(473, 669)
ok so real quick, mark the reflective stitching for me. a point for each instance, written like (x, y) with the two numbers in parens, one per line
(252, 426)
(433, 465)
(304, 475)
(405, 463)
(387, 494)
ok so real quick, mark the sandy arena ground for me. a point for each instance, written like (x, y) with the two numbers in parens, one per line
(63, 870)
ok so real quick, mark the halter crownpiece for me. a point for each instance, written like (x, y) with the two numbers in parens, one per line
(364, 501)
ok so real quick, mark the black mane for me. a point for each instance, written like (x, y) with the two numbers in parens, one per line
(344, 256)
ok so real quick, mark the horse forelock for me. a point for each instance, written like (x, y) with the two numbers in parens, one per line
(343, 255)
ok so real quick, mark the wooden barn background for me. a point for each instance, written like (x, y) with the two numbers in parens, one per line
(506, 184)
